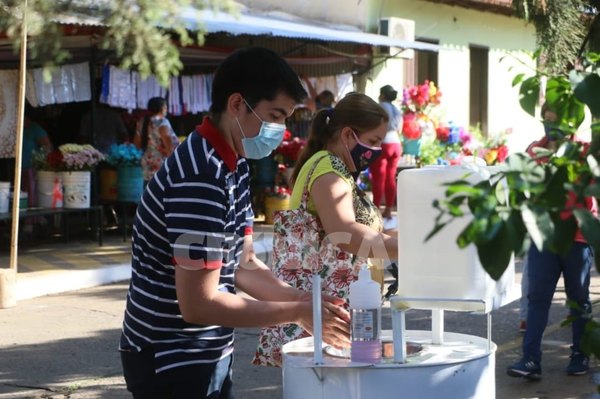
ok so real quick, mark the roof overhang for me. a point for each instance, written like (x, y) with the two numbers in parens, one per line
(271, 24)
(246, 24)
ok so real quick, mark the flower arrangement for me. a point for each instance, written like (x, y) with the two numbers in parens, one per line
(495, 150)
(279, 192)
(449, 145)
(288, 151)
(77, 157)
(419, 99)
(418, 103)
(123, 155)
(49, 161)
(452, 143)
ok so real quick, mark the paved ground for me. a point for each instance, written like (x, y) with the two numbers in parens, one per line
(64, 346)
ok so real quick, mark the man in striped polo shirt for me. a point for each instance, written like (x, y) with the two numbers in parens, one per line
(192, 243)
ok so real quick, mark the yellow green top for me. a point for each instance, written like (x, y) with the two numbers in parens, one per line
(365, 211)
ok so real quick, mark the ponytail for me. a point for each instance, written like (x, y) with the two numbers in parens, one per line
(320, 134)
(355, 110)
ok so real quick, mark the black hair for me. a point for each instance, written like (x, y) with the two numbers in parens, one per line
(155, 105)
(326, 98)
(257, 74)
(388, 93)
(355, 110)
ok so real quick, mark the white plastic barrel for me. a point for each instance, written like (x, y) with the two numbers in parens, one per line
(438, 268)
(464, 367)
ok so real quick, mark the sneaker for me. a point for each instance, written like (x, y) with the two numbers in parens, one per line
(523, 326)
(578, 365)
(529, 369)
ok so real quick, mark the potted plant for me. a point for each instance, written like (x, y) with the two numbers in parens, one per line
(78, 160)
(276, 198)
(418, 104)
(126, 158)
(288, 151)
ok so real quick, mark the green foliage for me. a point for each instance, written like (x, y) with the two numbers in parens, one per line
(143, 34)
(560, 29)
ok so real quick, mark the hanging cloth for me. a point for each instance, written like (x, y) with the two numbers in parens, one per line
(8, 112)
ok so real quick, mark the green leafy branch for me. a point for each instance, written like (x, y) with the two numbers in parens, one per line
(142, 34)
(530, 201)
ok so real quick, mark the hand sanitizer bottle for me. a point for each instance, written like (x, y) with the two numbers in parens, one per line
(365, 313)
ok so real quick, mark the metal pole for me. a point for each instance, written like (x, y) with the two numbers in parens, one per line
(317, 319)
(14, 243)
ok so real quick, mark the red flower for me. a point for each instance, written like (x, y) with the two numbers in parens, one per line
(55, 160)
(289, 150)
(410, 127)
(502, 153)
(442, 133)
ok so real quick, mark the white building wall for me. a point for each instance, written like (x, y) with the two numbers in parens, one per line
(509, 41)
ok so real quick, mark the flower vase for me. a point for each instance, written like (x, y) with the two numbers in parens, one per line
(411, 147)
(130, 183)
(49, 189)
(76, 186)
(275, 203)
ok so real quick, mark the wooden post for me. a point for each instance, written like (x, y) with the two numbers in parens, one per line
(8, 279)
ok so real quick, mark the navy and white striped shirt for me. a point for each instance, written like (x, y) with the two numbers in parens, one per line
(194, 212)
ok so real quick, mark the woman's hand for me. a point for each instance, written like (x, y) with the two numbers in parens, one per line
(335, 320)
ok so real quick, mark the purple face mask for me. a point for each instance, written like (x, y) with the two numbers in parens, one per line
(363, 155)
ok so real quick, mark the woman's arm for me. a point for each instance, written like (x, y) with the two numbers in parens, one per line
(165, 139)
(332, 197)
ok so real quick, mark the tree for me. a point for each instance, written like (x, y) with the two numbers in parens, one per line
(143, 34)
(524, 202)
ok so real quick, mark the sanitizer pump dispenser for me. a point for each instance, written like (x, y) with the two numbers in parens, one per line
(365, 311)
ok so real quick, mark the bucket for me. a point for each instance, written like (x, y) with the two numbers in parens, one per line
(23, 200)
(4, 194)
(108, 184)
(50, 189)
(77, 189)
(130, 183)
(273, 204)
(8, 288)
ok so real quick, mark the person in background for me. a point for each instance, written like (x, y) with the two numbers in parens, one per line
(524, 301)
(192, 243)
(343, 141)
(316, 102)
(108, 128)
(383, 171)
(35, 138)
(325, 100)
(544, 269)
(156, 138)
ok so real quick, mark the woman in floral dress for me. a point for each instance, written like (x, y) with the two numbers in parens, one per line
(343, 141)
(157, 138)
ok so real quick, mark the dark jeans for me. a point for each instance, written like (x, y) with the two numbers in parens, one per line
(544, 270)
(211, 381)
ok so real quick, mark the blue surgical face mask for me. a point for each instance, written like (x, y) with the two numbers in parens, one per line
(268, 138)
(553, 133)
